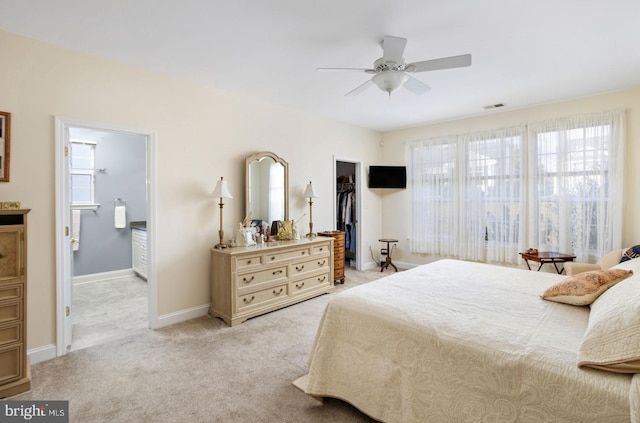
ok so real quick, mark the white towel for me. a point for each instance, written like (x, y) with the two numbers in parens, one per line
(75, 229)
(120, 217)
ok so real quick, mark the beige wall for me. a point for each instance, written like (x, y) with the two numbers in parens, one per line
(396, 220)
(202, 134)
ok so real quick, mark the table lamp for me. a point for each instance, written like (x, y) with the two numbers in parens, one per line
(221, 191)
(310, 193)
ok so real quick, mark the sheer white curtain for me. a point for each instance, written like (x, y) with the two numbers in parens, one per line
(493, 195)
(433, 179)
(576, 183)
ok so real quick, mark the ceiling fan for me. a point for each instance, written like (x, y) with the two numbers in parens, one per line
(390, 72)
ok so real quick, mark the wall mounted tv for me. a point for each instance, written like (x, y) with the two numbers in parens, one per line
(387, 176)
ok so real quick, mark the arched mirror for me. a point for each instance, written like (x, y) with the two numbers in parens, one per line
(267, 187)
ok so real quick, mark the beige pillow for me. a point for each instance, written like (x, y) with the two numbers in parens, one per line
(584, 288)
(612, 339)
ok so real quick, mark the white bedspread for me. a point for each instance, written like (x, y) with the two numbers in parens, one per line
(455, 341)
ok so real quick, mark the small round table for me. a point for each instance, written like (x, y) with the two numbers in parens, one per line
(388, 262)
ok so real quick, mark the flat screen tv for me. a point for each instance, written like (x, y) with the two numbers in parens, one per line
(387, 176)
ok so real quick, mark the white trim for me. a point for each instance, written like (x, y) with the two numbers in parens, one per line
(40, 354)
(63, 250)
(182, 316)
(95, 277)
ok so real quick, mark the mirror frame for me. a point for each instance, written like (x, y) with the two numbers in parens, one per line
(257, 157)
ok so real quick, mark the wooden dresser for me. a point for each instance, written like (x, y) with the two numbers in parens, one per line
(15, 375)
(249, 281)
(338, 254)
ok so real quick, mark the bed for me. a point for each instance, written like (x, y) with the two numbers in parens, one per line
(456, 341)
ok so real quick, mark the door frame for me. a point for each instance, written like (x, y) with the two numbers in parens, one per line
(359, 203)
(63, 222)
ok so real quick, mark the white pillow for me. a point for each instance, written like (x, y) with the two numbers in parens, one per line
(612, 339)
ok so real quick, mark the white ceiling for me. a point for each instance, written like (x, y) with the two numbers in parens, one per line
(524, 52)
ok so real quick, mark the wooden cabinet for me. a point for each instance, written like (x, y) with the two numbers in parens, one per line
(139, 251)
(338, 254)
(249, 281)
(15, 375)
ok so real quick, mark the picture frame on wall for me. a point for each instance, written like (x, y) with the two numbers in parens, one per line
(5, 145)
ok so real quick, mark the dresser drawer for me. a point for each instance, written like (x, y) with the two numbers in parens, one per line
(249, 262)
(321, 249)
(304, 267)
(10, 292)
(302, 286)
(10, 311)
(10, 333)
(10, 363)
(253, 280)
(261, 298)
(288, 255)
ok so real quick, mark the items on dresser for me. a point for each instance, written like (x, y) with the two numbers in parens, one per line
(338, 254)
(249, 281)
(15, 374)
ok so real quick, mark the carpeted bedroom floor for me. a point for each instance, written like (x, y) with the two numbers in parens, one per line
(199, 371)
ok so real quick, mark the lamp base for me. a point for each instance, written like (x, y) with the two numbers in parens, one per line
(221, 246)
(311, 235)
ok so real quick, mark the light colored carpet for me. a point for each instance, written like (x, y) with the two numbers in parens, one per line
(108, 309)
(199, 371)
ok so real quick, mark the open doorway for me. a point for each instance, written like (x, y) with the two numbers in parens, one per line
(348, 208)
(103, 231)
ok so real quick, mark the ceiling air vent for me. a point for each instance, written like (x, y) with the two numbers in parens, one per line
(493, 106)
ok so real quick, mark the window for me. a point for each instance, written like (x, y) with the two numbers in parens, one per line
(83, 174)
(578, 184)
(473, 198)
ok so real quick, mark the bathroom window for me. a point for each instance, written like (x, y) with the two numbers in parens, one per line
(83, 174)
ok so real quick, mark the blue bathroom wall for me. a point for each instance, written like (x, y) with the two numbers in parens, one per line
(103, 248)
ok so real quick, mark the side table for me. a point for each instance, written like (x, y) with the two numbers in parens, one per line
(544, 257)
(387, 261)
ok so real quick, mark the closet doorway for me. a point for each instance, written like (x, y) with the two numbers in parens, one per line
(103, 205)
(348, 206)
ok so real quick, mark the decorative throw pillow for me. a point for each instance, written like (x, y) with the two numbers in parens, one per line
(631, 253)
(584, 288)
(612, 339)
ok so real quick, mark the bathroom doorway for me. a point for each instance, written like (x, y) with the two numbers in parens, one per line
(105, 206)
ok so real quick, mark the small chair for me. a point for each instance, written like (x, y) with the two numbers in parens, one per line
(607, 261)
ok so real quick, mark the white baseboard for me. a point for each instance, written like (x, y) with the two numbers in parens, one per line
(182, 316)
(94, 277)
(44, 353)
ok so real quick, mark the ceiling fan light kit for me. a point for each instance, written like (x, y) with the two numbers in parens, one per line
(390, 81)
(390, 72)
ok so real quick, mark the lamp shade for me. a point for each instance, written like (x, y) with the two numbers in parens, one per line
(309, 192)
(221, 190)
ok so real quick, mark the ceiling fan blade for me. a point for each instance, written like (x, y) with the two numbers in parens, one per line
(393, 49)
(347, 69)
(360, 88)
(416, 86)
(437, 64)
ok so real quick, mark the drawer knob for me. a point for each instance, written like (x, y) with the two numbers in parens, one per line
(1, 255)
(276, 272)
(299, 269)
(277, 292)
(299, 285)
(248, 261)
(322, 279)
(253, 297)
(321, 263)
(245, 280)
(302, 252)
(273, 257)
